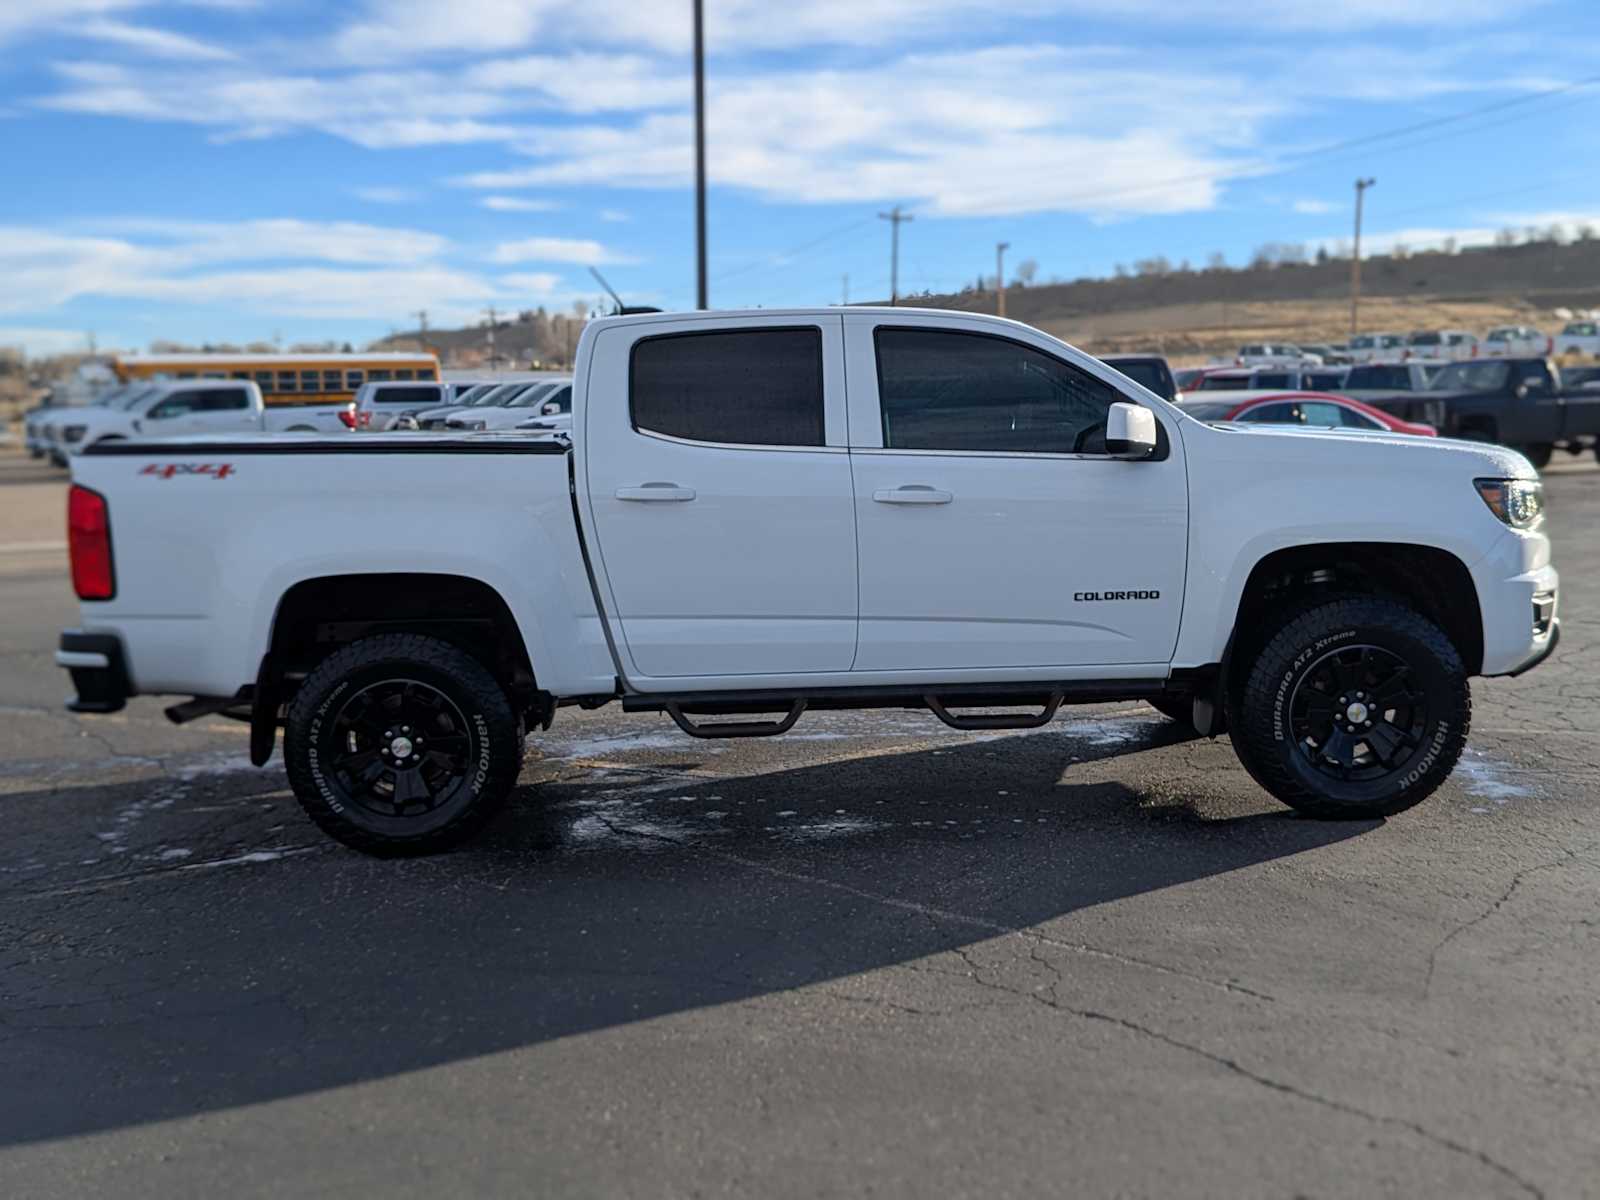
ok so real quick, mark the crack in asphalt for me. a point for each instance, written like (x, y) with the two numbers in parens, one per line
(1499, 903)
(1037, 940)
(996, 928)
(1235, 1067)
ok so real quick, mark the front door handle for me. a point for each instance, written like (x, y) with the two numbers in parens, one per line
(656, 492)
(912, 493)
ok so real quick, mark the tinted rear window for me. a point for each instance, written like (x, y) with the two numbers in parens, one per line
(1272, 379)
(753, 387)
(1393, 377)
(406, 395)
(1424, 339)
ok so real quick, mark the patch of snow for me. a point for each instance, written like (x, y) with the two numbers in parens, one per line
(1488, 779)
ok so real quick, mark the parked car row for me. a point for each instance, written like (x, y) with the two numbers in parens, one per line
(1528, 402)
(184, 407)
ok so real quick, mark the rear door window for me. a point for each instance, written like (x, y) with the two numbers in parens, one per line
(220, 400)
(751, 387)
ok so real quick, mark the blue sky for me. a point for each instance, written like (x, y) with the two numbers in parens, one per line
(239, 169)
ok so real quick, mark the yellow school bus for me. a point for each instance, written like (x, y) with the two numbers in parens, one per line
(285, 379)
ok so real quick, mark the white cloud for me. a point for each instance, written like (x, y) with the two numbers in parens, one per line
(155, 43)
(1314, 208)
(397, 28)
(535, 283)
(615, 215)
(520, 204)
(95, 19)
(563, 250)
(963, 133)
(385, 195)
(39, 343)
(270, 267)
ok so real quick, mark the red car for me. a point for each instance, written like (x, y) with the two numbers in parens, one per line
(1321, 410)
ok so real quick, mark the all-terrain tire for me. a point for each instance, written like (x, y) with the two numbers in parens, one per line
(346, 755)
(1364, 655)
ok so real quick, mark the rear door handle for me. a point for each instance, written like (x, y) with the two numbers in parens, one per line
(912, 493)
(656, 492)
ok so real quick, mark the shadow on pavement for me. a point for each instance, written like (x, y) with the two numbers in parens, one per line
(593, 902)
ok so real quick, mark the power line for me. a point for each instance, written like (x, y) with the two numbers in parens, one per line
(1320, 152)
(800, 249)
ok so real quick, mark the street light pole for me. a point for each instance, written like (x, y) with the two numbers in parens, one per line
(700, 152)
(1000, 277)
(1355, 260)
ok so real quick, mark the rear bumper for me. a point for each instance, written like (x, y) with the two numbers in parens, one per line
(99, 671)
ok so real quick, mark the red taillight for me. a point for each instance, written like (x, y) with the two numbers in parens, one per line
(1549, 346)
(89, 544)
(348, 417)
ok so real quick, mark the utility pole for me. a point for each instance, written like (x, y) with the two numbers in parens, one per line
(494, 317)
(700, 152)
(845, 295)
(1000, 277)
(894, 216)
(1355, 261)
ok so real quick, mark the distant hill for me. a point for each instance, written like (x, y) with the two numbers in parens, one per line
(1189, 314)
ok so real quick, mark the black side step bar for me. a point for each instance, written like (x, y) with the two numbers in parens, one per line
(995, 720)
(736, 729)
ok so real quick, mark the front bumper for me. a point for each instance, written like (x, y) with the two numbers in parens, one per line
(99, 671)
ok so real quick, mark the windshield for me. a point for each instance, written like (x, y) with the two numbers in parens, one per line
(1208, 410)
(1225, 383)
(1471, 377)
(533, 395)
(1424, 339)
(134, 395)
(1272, 379)
(1580, 329)
(498, 394)
(1145, 374)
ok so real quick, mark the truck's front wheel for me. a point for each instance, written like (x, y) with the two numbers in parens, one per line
(401, 744)
(1356, 707)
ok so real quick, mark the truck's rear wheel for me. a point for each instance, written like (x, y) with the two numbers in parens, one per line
(401, 744)
(1356, 707)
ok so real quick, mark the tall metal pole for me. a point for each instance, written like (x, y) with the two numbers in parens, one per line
(1000, 277)
(894, 216)
(1355, 261)
(700, 152)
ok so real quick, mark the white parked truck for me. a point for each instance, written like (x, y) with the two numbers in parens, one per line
(759, 514)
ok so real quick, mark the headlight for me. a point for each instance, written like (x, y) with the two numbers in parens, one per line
(74, 433)
(1517, 502)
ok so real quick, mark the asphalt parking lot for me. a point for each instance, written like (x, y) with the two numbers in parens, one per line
(876, 957)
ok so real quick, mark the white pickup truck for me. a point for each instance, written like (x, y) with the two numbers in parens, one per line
(175, 408)
(757, 514)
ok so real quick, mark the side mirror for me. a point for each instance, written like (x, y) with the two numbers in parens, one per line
(1130, 431)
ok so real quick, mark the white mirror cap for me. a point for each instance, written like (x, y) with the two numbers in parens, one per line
(1130, 431)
